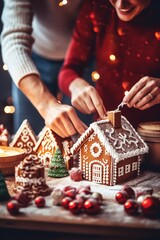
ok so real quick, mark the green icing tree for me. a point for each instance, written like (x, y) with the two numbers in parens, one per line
(4, 195)
(57, 168)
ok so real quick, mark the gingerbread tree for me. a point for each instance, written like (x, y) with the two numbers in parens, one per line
(57, 168)
(4, 195)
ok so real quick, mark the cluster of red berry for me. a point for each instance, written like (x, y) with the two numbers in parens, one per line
(143, 202)
(81, 199)
(21, 200)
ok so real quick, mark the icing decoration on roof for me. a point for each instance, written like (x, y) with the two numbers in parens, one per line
(120, 143)
(24, 138)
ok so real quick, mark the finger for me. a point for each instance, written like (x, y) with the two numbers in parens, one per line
(68, 125)
(149, 99)
(134, 90)
(148, 104)
(78, 124)
(98, 103)
(57, 130)
(82, 107)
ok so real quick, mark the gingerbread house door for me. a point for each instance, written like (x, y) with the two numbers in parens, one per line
(97, 173)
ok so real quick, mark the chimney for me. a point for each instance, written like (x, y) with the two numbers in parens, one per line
(115, 118)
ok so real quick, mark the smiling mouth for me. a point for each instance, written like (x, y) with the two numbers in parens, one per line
(126, 11)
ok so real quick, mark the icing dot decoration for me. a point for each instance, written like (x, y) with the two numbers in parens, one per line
(96, 149)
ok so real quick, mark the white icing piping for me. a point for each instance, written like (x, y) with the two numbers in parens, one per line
(25, 124)
(110, 149)
(30, 181)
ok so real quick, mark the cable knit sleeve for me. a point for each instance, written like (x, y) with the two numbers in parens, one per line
(80, 48)
(16, 38)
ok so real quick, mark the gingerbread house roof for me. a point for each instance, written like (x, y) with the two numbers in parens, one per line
(47, 135)
(25, 133)
(120, 143)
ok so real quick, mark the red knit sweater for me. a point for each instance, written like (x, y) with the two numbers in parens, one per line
(135, 45)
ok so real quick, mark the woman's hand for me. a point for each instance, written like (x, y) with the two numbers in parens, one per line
(63, 120)
(85, 98)
(144, 94)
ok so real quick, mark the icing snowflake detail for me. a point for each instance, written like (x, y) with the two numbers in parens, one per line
(92, 137)
(96, 149)
(85, 148)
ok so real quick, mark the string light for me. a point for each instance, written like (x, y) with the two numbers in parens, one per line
(62, 3)
(9, 109)
(5, 68)
(112, 57)
(95, 76)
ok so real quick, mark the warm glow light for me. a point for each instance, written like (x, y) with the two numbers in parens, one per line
(157, 35)
(9, 109)
(125, 85)
(112, 57)
(5, 68)
(62, 3)
(126, 93)
(95, 76)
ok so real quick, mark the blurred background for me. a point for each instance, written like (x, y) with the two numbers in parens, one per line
(6, 103)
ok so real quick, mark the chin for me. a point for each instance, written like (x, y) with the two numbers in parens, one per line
(126, 17)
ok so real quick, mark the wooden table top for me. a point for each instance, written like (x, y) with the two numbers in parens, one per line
(111, 223)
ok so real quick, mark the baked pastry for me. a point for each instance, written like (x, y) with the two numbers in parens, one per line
(30, 177)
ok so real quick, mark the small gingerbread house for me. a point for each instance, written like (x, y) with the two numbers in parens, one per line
(47, 145)
(110, 150)
(4, 136)
(24, 138)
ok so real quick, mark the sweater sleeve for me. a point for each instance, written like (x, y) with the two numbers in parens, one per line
(79, 50)
(16, 38)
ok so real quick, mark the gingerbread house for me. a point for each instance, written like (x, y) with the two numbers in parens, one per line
(25, 138)
(47, 145)
(4, 136)
(110, 150)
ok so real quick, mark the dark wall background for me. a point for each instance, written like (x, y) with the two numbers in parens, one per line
(5, 88)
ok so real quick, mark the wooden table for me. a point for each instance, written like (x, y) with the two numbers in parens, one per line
(53, 222)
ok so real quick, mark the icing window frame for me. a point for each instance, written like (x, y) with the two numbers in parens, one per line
(134, 166)
(127, 168)
(120, 171)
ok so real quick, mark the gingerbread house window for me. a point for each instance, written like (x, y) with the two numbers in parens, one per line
(97, 173)
(134, 166)
(127, 168)
(120, 171)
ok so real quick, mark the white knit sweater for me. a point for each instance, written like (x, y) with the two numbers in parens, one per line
(41, 24)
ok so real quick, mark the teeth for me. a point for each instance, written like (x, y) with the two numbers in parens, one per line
(124, 10)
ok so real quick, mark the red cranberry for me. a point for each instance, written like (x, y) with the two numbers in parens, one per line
(129, 190)
(150, 207)
(75, 206)
(85, 190)
(71, 193)
(121, 197)
(68, 188)
(65, 202)
(91, 206)
(13, 207)
(40, 202)
(131, 206)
